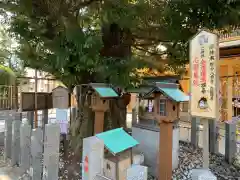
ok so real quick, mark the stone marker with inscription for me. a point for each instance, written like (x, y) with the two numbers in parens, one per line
(8, 136)
(137, 172)
(15, 160)
(25, 144)
(92, 157)
(51, 151)
(36, 152)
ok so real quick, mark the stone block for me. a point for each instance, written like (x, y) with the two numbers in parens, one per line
(230, 141)
(25, 145)
(137, 172)
(202, 174)
(51, 151)
(15, 149)
(8, 137)
(150, 149)
(37, 154)
(92, 158)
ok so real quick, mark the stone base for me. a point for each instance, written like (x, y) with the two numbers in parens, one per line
(201, 174)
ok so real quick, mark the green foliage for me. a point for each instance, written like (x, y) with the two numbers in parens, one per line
(64, 38)
(8, 47)
(7, 76)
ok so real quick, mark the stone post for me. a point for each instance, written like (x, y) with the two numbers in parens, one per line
(213, 136)
(25, 143)
(195, 121)
(51, 151)
(92, 157)
(30, 117)
(8, 137)
(37, 154)
(230, 141)
(15, 151)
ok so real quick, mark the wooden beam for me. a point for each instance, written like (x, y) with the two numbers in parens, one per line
(165, 151)
(99, 122)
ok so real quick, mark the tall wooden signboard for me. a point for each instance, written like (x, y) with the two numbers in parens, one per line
(204, 54)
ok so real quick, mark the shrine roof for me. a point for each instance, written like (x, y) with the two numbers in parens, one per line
(175, 94)
(170, 90)
(117, 140)
(104, 90)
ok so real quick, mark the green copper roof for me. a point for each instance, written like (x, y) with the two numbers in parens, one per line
(170, 90)
(117, 140)
(175, 94)
(105, 92)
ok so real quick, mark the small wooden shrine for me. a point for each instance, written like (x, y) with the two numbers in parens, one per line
(100, 97)
(167, 98)
(108, 154)
(118, 153)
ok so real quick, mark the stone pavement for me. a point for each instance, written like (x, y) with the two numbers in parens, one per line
(10, 173)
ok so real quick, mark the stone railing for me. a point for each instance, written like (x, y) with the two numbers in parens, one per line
(39, 148)
(230, 35)
(227, 144)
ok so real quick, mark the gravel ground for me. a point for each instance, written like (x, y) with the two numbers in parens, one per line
(189, 158)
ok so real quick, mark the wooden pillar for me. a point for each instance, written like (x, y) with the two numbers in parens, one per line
(99, 122)
(229, 93)
(165, 151)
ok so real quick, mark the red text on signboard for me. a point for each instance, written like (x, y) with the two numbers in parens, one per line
(203, 71)
(195, 72)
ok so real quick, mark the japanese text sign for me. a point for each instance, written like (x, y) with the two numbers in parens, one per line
(204, 54)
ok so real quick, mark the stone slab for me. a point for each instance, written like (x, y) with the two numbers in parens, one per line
(8, 137)
(92, 158)
(51, 151)
(15, 149)
(202, 174)
(25, 145)
(137, 172)
(37, 154)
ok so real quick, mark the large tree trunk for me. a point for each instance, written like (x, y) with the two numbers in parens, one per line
(83, 126)
(117, 43)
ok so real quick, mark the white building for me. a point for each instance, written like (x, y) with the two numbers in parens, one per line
(45, 82)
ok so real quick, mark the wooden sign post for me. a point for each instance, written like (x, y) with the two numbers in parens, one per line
(204, 54)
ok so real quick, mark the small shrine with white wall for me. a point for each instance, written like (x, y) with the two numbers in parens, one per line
(157, 128)
(108, 155)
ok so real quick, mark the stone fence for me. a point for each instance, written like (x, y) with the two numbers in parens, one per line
(34, 151)
(224, 138)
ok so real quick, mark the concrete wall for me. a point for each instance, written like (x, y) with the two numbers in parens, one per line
(149, 146)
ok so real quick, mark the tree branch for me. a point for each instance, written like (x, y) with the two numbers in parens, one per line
(147, 51)
(87, 3)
